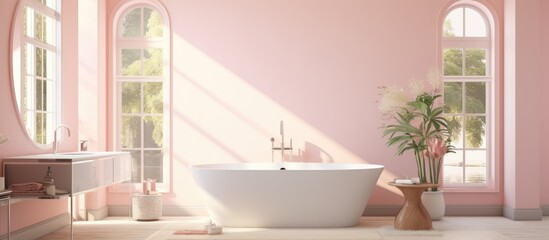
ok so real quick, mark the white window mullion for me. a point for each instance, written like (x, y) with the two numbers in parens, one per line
(142, 121)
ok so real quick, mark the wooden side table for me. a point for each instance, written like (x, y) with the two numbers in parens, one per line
(413, 215)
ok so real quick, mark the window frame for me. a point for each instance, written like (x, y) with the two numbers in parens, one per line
(493, 114)
(120, 42)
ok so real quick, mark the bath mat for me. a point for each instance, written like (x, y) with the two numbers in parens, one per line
(356, 233)
(391, 231)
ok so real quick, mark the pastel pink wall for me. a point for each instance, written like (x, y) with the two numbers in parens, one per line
(92, 122)
(544, 111)
(240, 66)
(523, 79)
(25, 213)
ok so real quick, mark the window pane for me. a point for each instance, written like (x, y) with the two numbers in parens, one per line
(40, 133)
(38, 61)
(474, 24)
(38, 127)
(153, 62)
(153, 165)
(153, 97)
(38, 26)
(136, 165)
(153, 134)
(50, 95)
(153, 23)
(51, 4)
(131, 62)
(453, 167)
(131, 97)
(475, 168)
(49, 30)
(29, 61)
(154, 173)
(49, 65)
(453, 24)
(131, 23)
(475, 132)
(476, 97)
(38, 94)
(131, 132)
(27, 21)
(453, 92)
(45, 63)
(475, 62)
(455, 124)
(28, 97)
(453, 62)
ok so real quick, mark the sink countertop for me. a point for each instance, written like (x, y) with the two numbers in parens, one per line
(66, 156)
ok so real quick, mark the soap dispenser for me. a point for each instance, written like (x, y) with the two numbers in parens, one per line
(49, 184)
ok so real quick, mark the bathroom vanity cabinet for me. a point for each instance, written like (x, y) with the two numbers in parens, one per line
(73, 173)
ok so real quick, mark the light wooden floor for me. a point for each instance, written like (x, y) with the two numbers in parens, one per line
(485, 228)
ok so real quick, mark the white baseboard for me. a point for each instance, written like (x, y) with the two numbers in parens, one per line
(531, 214)
(371, 210)
(97, 214)
(474, 210)
(451, 210)
(167, 210)
(545, 210)
(40, 229)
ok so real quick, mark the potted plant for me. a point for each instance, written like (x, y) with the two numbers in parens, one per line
(416, 123)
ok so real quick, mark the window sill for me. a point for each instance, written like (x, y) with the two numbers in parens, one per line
(470, 190)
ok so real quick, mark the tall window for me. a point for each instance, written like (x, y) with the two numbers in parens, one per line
(36, 44)
(468, 88)
(142, 88)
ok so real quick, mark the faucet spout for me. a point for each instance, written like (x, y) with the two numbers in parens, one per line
(282, 141)
(282, 148)
(55, 142)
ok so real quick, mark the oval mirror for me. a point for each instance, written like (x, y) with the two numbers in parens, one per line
(36, 68)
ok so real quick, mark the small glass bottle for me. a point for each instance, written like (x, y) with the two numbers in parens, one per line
(49, 184)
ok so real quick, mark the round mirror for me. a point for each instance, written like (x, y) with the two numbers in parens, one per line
(36, 68)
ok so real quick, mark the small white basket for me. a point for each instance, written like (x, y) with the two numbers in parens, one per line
(146, 207)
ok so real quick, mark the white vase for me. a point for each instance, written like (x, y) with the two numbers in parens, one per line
(434, 203)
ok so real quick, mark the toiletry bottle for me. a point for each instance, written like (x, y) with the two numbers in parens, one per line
(49, 184)
(83, 145)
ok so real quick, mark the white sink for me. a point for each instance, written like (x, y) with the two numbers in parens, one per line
(80, 153)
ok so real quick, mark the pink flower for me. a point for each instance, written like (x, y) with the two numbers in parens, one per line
(436, 148)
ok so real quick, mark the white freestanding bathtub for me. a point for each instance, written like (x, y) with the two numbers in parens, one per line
(303, 195)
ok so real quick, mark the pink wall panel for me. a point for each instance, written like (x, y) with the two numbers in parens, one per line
(239, 67)
(544, 111)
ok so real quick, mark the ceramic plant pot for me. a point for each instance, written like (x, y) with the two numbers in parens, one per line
(434, 203)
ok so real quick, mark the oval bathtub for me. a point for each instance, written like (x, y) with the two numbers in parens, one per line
(303, 195)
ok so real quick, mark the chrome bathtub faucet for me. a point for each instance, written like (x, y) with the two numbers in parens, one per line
(282, 148)
(55, 142)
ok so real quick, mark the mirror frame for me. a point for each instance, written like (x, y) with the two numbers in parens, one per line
(15, 29)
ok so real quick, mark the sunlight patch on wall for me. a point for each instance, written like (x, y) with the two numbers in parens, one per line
(219, 118)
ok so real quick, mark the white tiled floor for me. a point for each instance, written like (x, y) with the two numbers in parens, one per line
(485, 228)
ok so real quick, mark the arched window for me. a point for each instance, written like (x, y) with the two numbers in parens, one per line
(141, 88)
(468, 64)
(36, 67)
